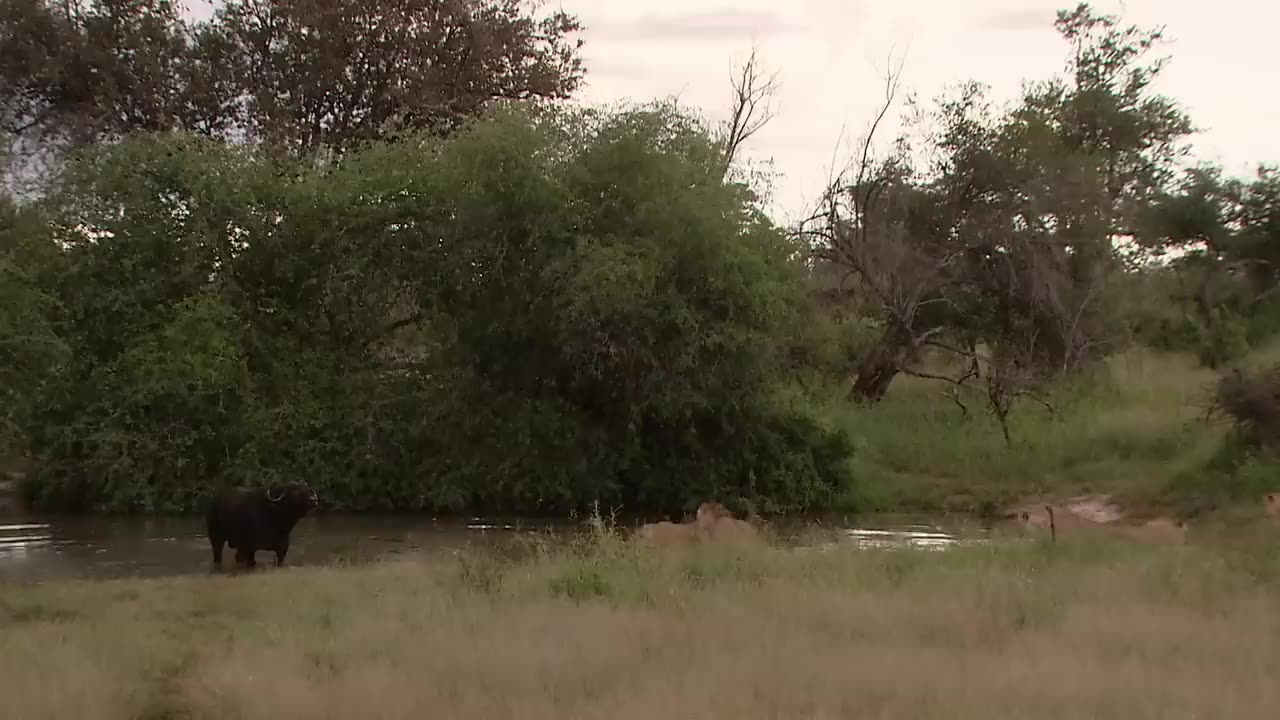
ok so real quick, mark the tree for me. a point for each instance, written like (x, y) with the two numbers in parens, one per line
(1007, 237)
(74, 73)
(310, 75)
(330, 74)
(1218, 237)
(751, 108)
(544, 309)
(32, 353)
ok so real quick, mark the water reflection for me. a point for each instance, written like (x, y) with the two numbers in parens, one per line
(33, 549)
(901, 538)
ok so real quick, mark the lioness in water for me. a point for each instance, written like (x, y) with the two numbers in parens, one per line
(1058, 520)
(1271, 504)
(712, 523)
(667, 533)
(717, 524)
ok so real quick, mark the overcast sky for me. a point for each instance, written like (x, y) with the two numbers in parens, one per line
(831, 56)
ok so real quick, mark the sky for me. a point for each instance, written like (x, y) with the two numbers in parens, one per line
(831, 57)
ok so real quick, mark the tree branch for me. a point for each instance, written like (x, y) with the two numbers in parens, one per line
(752, 107)
(1037, 398)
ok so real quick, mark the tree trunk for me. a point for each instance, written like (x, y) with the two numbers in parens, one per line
(878, 369)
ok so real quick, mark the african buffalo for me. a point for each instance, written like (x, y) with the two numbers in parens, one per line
(257, 519)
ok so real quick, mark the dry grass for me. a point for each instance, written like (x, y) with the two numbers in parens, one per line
(607, 630)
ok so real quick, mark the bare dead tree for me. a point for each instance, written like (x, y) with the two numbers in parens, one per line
(866, 225)
(753, 107)
(945, 268)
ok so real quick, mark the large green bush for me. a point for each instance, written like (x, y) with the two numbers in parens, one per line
(544, 311)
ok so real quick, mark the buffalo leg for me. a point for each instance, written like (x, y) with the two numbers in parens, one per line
(216, 544)
(244, 557)
(281, 551)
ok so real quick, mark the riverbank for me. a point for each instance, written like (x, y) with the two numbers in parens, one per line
(1135, 430)
(1084, 628)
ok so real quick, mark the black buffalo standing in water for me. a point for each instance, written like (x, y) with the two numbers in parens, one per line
(258, 519)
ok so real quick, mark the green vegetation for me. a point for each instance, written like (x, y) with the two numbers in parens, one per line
(431, 285)
(1009, 630)
(1129, 428)
(543, 311)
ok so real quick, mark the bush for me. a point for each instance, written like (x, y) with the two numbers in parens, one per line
(544, 311)
(1252, 401)
(32, 351)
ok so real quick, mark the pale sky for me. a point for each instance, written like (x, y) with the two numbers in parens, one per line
(831, 56)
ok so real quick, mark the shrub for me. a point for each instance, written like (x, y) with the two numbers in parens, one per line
(546, 310)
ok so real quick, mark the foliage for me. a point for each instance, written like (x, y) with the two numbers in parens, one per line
(997, 228)
(548, 309)
(359, 242)
(1252, 402)
(303, 75)
(1224, 232)
(31, 350)
(333, 73)
(1127, 428)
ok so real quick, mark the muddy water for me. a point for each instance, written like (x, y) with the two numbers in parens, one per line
(34, 548)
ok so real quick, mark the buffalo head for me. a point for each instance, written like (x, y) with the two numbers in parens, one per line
(296, 496)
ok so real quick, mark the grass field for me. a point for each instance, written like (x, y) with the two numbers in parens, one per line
(1086, 629)
(1134, 429)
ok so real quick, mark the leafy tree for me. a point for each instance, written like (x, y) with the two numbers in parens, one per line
(547, 308)
(1005, 235)
(328, 74)
(32, 353)
(74, 73)
(155, 428)
(1219, 238)
(626, 287)
(309, 75)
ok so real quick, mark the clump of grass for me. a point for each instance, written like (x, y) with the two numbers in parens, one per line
(1008, 630)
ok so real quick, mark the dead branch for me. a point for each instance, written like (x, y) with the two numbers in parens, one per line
(953, 392)
(753, 109)
(891, 84)
(930, 376)
(1037, 398)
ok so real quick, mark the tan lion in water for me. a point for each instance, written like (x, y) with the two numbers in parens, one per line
(717, 524)
(667, 533)
(1271, 504)
(1058, 520)
(712, 523)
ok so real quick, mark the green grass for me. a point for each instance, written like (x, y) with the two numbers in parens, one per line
(1092, 629)
(1134, 429)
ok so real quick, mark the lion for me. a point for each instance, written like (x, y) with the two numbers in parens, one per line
(712, 523)
(1053, 519)
(1057, 520)
(1271, 505)
(667, 533)
(716, 523)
